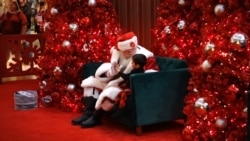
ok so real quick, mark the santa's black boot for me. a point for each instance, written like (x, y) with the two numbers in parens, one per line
(89, 103)
(94, 120)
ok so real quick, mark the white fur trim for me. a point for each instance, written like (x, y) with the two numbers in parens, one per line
(125, 45)
(150, 70)
(91, 92)
(93, 82)
(110, 92)
(104, 68)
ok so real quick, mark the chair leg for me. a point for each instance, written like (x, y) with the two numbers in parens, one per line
(138, 130)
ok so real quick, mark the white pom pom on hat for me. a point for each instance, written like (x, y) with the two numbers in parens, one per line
(127, 41)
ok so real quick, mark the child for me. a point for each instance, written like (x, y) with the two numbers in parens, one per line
(138, 63)
(107, 96)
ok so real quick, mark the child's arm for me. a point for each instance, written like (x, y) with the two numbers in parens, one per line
(121, 74)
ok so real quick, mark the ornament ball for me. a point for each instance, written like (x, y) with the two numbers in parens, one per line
(73, 27)
(181, 2)
(66, 43)
(239, 39)
(47, 100)
(219, 9)
(92, 3)
(181, 24)
(167, 30)
(53, 11)
(57, 71)
(71, 87)
(209, 47)
(220, 123)
(201, 107)
(206, 65)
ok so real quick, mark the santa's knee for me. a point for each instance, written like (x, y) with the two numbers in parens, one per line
(91, 81)
(107, 104)
(111, 92)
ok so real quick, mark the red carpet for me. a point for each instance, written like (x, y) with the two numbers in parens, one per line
(50, 124)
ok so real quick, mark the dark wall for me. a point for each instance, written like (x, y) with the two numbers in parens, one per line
(138, 16)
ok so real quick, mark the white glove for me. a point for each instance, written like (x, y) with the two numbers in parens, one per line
(114, 69)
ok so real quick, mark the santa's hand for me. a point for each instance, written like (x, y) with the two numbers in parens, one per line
(114, 68)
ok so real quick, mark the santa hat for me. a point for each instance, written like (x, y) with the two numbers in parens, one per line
(127, 41)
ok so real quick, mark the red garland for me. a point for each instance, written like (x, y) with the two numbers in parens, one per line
(122, 98)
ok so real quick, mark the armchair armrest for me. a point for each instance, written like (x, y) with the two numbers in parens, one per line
(159, 96)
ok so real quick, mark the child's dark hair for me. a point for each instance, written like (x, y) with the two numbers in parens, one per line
(139, 59)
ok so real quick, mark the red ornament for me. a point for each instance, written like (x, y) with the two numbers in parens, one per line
(233, 89)
(85, 21)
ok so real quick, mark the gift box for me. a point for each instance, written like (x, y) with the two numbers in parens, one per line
(26, 99)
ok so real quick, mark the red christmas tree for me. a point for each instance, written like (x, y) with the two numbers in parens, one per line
(76, 32)
(213, 36)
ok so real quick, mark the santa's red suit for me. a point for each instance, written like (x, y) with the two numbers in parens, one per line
(93, 85)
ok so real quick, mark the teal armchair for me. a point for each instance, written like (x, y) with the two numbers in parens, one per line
(156, 97)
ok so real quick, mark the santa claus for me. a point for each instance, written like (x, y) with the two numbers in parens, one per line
(100, 89)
